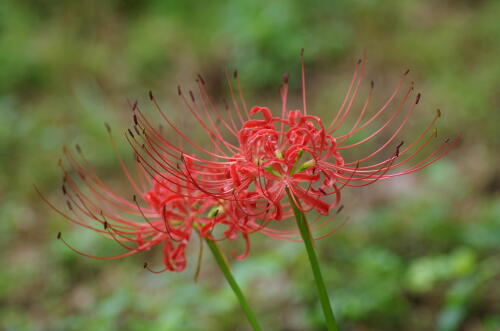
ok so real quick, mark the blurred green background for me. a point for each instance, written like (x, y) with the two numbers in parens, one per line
(421, 252)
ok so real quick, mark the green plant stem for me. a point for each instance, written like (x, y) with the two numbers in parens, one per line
(313, 260)
(224, 267)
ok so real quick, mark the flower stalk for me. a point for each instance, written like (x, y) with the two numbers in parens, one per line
(305, 233)
(224, 267)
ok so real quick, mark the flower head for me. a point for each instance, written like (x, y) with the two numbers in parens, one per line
(170, 211)
(256, 155)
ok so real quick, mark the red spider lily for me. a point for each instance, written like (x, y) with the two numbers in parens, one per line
(251, 162)
(172, 211)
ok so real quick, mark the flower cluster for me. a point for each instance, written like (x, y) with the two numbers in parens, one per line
(256, 166)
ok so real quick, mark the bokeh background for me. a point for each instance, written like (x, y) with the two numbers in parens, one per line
(419, 253)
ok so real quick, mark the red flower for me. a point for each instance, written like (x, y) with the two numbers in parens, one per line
(252, 162)
(173, 210)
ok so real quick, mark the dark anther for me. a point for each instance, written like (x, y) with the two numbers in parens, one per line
(64, 190)
(134, 197)
(235, 74)
(145, 265)
(191, 95)
(179, 92)
(105, 225)
(340, 209)
(134, 106)
(447, 140)
(150, 95)
(59, 234)
(137, 130)
(418, 99)
(406, 72)
(438, 112)
(322, 191)
(107, 127)
(359, 61)
(372, 83)
(398, 147)
(286, 76)
(135, 119)
(70, 207)
(130, 133)
(301, 52)
(78, 149)
(201, 79)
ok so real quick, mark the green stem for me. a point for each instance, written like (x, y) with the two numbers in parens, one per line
(313, 260)
(224, 267)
